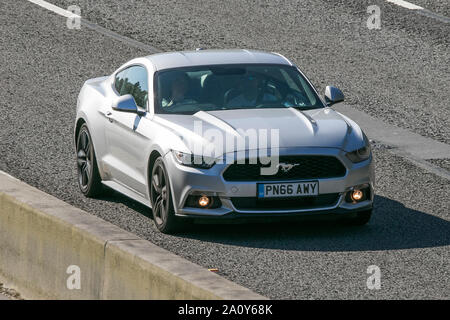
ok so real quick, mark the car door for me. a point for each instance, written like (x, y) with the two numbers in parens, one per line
(125, 142)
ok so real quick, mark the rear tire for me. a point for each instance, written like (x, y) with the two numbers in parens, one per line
(161, 200)
(361, 218)
(89, 179)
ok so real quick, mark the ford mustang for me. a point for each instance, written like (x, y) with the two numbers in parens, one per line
(221, 134)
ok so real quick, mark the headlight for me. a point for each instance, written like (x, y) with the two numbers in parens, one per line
(188, 159)
(360, 154)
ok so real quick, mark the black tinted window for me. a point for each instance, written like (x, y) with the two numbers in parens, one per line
(133, 81)
(188, 90)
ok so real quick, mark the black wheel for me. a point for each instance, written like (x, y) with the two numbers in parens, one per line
(361, 218)
(161, 199)
(88, 177)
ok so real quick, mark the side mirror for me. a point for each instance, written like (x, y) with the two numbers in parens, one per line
(126, 103)
(333, 95)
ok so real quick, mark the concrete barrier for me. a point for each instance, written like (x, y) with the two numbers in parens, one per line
(41, 236)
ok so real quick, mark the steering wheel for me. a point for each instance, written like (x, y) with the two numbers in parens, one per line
(296, 98)
(228, 95)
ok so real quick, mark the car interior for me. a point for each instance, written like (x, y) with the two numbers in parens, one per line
(213, 89)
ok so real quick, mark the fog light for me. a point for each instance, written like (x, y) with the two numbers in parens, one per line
(357, 195)
(203, 201)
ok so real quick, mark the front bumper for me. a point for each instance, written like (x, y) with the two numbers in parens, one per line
(237, 217)
(186, 181)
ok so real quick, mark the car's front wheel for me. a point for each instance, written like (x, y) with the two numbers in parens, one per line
(89, 178)
(161, 199)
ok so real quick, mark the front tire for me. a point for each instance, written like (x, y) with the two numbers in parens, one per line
(161, 199)
(89, 179)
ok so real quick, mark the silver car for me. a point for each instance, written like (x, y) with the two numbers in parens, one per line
(221, 134)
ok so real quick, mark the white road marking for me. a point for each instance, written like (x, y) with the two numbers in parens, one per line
(55, 9)
(406, 4)
(93, 26)
(420, 10)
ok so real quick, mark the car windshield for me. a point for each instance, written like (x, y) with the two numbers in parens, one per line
(226, 87)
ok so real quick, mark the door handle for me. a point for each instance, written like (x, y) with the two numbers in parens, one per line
(108, 114)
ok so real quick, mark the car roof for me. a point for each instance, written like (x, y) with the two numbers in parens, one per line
(179, 59)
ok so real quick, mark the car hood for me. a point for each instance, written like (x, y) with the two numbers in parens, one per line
(322, 127)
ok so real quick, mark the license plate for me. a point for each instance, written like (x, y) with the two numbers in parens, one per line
(288, 189)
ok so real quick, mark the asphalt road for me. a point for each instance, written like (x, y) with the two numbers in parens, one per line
(399, 74)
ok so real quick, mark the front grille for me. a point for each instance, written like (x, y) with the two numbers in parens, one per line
(308, 167)
(299, 203)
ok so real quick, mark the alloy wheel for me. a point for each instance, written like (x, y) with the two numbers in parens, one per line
(84, 160)
(159, 192)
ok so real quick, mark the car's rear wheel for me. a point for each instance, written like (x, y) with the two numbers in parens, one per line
(161, 199)
(361, 218)
(88, 176)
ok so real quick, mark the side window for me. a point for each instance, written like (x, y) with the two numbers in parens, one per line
(133, 81)
(118, 83)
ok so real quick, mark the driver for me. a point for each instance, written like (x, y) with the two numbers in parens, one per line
(249, 88)
(178, 90)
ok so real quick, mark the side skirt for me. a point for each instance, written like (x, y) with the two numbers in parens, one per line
(127, 192)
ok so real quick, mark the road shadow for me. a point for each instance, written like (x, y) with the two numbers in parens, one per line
(393, 226)
(111, 195)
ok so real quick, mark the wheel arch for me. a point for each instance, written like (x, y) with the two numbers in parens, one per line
(78, 125)
(155, 154)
